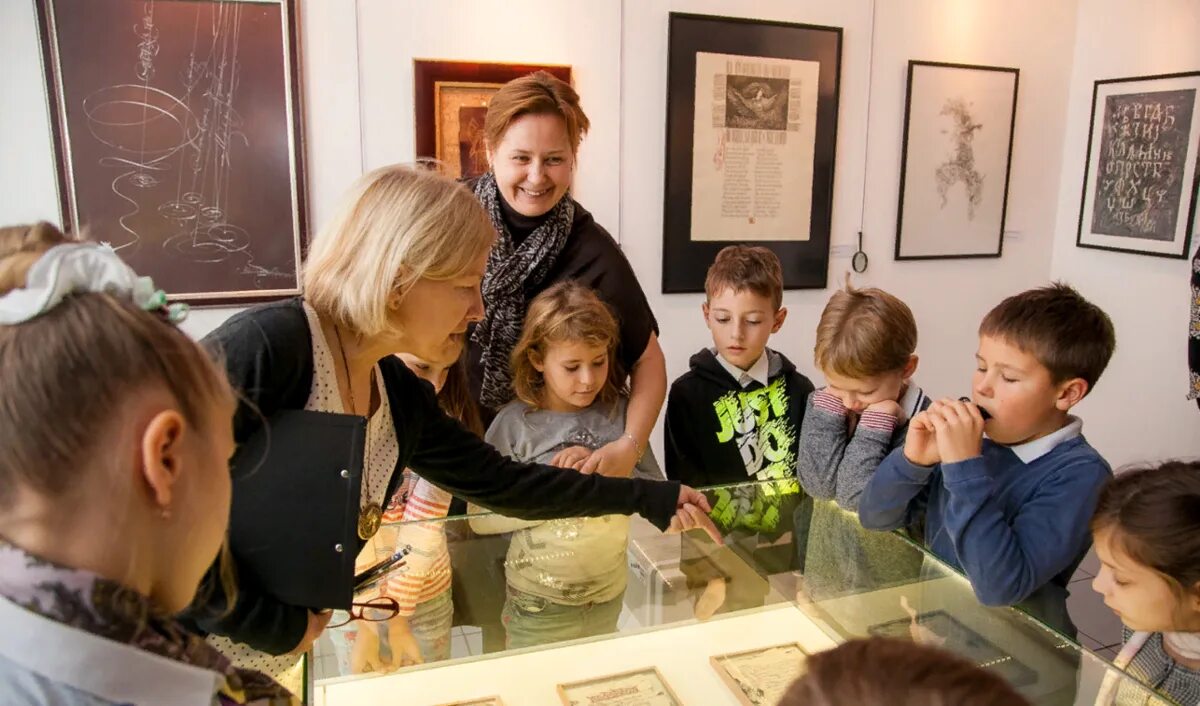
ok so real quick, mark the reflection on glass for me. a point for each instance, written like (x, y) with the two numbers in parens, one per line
(766, 549)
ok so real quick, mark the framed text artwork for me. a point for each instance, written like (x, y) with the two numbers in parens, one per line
(178, 139)
(762, 676)
(958, 137)
(451, 99)
(644, 687)
(1142, 173)
(751, 133)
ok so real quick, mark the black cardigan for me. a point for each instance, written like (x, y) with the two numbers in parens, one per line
(267, 351)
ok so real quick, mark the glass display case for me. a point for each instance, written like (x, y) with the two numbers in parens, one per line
(613, 611)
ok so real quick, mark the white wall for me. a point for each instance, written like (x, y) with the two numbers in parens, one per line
(1138, 411)
(27, 172)
(582, 33)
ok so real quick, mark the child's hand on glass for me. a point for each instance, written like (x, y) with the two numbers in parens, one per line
(572, 457)
(615, 459)
(404, 647)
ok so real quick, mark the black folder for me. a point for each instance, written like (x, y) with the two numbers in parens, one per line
(296, 489)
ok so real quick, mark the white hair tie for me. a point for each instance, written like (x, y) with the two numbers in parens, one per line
(82, 267)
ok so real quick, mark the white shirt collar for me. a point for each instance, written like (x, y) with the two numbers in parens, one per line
(759, 372)
(911, 402)
(1031, 451)
(97, 666)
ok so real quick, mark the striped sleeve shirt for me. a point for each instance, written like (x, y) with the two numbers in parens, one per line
(426, 571)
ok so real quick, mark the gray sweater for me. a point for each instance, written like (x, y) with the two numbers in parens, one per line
(569, 561)
(832, 463)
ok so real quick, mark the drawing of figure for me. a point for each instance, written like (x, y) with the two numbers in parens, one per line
(961, 167)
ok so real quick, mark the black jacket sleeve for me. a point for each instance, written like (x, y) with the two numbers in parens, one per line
(593, 258)
(681, 450)
(262, 351)
(440, 450)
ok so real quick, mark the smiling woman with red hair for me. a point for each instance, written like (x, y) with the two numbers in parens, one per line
(532, 133)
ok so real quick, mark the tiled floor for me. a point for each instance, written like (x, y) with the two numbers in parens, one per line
(1099, 628)
(466, 641)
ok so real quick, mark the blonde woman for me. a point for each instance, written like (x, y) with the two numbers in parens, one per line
(396, 271)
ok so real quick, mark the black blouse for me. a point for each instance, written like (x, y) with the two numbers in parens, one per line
(267, 351)
(590, 257)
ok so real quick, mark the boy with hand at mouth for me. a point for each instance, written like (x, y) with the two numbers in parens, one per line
(866, 349)
(1009, 508)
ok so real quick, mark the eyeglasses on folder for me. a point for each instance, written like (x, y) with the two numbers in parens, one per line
(377, 609)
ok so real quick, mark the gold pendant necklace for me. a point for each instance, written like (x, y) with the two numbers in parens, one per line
(370, 514)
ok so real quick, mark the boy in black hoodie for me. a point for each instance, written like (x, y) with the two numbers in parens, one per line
(735, 416)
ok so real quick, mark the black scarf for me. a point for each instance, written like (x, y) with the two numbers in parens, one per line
(512, 270)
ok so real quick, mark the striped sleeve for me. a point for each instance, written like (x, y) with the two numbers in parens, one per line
(427, 566)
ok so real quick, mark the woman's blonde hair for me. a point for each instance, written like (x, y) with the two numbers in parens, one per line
(565, 312)
(66, 375)
(397, 225)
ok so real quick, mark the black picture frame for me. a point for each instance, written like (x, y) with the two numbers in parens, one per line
(946, 234)
(1175, 174)
(686, 261)
(183, 149)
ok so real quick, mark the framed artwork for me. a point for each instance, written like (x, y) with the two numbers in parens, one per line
(958, 136)
(178, 139)
(752, 111)
(643, 687)
(1142, 174)
(451, 99)
(760, 677)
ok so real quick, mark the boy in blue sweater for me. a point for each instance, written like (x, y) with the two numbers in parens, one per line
(1011, 508)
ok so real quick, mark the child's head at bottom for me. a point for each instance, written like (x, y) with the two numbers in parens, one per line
(1147, 532)
(115, 427)
(866, 346)
(887, 672)
(1040, 352)
(565, 359)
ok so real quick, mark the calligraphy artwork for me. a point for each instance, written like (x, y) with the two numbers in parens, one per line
(761, 677)
(751, 137)
(958, 136)
(1141, 178)
(644, 687)
(178, 139)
